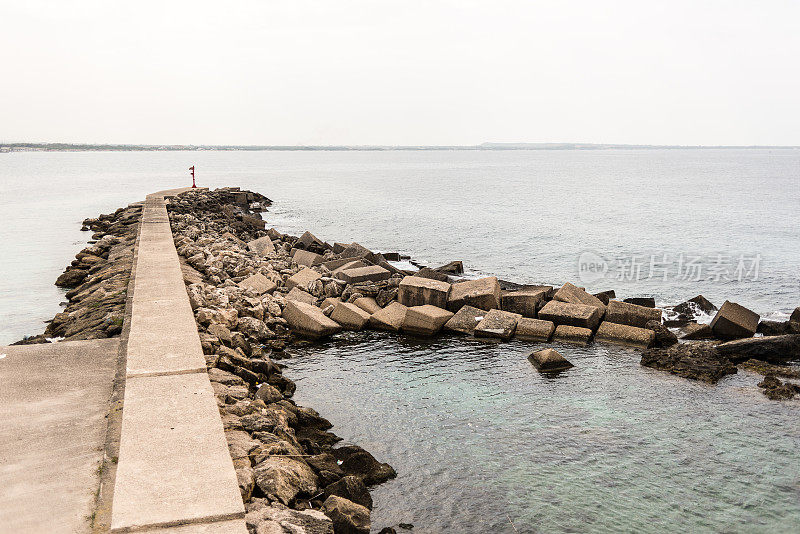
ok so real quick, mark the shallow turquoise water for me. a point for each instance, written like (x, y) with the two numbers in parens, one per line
(481, 440)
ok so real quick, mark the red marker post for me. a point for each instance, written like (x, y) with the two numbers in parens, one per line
(193, 184)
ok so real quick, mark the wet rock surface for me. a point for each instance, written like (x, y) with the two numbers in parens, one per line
(699, 361)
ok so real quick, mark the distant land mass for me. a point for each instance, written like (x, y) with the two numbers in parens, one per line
(77, 147)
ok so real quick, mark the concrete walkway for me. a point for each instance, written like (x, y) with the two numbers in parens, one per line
(54, 399)
(175, 473)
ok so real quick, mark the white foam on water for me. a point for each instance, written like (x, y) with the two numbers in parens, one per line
(3, 356)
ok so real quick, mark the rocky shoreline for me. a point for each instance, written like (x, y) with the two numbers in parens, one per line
(255, 292)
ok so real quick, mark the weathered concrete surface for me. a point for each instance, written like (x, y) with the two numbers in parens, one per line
(174, 465)
(174, 468)
(53, 402)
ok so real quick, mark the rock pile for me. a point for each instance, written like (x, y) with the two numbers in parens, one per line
(97, 280)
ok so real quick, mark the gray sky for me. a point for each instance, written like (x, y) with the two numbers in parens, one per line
(400, 72)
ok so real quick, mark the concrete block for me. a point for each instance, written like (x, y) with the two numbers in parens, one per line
(483, 294)
(523, 301)
(299, 295)
(372, 273)
(389, 318)
(308, 320)
(572, 334)
(647, 302)
(575, 295)
(302, 278)
(262, 246)
(332, 265)
(307, 258)
(631, 314)
(606, 296)
(498, 323)
(566, 313)
(734, 321)
(625, 335)
(465, 320)
(416, 291)
(258, 283)
(534, 330)
(351, 264)
(174, 466)
(425, 320)
(338, 248)
(549, 361)
(330, 301)
(350, 316)
(427, 272)
(794, 321)
(354, 250)
(309, 241)
(368, 304)
(274, 235)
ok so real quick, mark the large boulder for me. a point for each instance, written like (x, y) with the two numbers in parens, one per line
(465, 320)
(370, 273)
(351, 488)
(355, 461)
(695, 331)
(534, 330)
(575, 295)
(302, 278)
(499, 324)
(772, 349)
(773, 328)
(276, 518)
(483, 293)
(261, 246)
(350, 316)
(549, 360)
(698, 361)
(692, 309)
(389, 318)
(308, 320)
(523, 301)
(625, 335)
(565, 313)
(734, 321)
(283, 479)
(347, 516)
(631, 314)
(425, 320)
(416, 291)
(647, 302)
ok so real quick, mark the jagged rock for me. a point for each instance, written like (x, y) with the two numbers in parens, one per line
(774, 389)
(268, 394)
(254, 329)
(773, 328)
(772, 349)
(352, 489)
(765, 368)
(347, 516)
(698, 361)
(72, 278)
(664, 336)
(264, 518)
(360, 463)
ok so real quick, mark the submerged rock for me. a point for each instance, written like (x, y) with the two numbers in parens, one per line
(772, 349)
(549, 360)
(774, 389)
(698, 361)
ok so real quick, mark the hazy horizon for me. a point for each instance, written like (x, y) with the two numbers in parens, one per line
(433, 73)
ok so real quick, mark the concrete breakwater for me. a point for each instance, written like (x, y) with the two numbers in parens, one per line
(317, 289)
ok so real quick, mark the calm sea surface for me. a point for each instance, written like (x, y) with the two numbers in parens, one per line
(481, 442)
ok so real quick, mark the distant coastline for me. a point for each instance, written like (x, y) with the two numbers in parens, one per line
(88, 147)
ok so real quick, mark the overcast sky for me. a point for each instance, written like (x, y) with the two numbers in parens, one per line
(400, 72)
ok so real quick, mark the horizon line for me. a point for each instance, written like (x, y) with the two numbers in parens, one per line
(65, 146)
